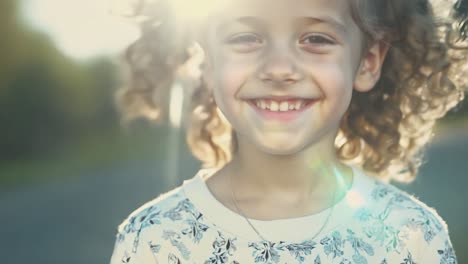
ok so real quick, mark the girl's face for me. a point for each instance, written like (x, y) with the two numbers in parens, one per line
(308, 50)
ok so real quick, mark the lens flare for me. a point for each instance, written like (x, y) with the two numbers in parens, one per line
(195, 10)
(354, 199)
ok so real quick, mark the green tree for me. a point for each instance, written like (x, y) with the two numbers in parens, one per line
(47, 99)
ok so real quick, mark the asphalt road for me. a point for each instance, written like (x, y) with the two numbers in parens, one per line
(74, 220)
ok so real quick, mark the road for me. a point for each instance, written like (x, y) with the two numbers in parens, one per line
(74, 220)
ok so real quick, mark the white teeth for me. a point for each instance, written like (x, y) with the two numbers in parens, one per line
(298, 105)
(279, 106)
(274, 106)
(284, 106)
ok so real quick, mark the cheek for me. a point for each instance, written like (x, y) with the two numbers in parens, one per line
(227, 80)
(231, 77)
(334, 77)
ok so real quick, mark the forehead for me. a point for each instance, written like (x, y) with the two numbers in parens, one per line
(279, 10)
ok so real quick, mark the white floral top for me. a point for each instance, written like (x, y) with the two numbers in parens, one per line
(374, 223)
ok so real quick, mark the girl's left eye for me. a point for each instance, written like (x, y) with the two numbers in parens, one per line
(316, 40)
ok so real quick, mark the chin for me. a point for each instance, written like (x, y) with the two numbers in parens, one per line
(280, 148)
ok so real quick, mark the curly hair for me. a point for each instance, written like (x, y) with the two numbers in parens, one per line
(384, 130)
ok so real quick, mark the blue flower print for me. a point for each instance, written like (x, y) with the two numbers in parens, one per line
(299, 251)
(359, 246)
(175, 240)
(380, 191)
(377, 225)
(447, 256)
(333, 244)
(195, 230)
(183, 206)
(147, 217)
(154, 247)
(222, 249)
(427, 223)
(126, 258)
(363, 214)
(266, 252)
(173, 259)
(136, 223)
(385, 235)
(408, 259)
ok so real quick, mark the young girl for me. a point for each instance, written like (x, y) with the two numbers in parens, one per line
(304, 112)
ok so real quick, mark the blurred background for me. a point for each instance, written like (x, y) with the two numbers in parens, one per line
(70, 173)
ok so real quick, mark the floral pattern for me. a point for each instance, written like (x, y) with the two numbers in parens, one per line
(300, 251)
(333, 245)
(222, 249)
(381, 231)
(266, 252)
(447, 256)
(408, 259)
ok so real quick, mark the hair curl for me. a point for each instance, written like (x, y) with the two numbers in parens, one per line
(384, 130)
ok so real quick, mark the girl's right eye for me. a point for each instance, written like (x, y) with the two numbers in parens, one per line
(245, 41)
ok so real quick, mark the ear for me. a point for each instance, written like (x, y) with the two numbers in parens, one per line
(370, 68)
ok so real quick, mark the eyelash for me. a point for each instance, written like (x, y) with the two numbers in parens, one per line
(323, 40)
(241, 39)
(254, 39)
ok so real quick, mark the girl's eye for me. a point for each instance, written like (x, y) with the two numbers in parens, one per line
(245, 39)
(245, 43)
(316, 40)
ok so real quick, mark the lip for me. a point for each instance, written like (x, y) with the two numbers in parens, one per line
(280, 98)
(286, 116)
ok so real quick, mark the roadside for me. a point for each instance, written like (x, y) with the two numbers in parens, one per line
(88, 153)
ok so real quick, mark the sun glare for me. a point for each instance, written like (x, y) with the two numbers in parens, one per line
(81, 29)
(87, 28)
(194, 10)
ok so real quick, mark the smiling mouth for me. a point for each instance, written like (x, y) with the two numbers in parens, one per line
(284, 111)
(281, 106)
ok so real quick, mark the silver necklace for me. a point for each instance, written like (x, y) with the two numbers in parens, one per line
(258, 233)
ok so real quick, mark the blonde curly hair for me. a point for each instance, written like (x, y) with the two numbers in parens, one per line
(384, 130)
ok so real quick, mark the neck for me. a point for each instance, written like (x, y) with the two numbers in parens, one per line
(308, 173)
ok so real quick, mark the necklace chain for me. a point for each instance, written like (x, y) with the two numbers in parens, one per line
(255, 229)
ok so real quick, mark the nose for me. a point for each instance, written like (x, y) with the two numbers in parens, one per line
(279, 67)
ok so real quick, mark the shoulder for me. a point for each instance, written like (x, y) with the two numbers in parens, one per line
(404, 210)
(397, 210)
(152, 213)
(407, 210)
(141, 234)
(402, 222)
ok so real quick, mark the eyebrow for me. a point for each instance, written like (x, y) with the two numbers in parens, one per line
(333, 22)
(245, 20)
(254, 21)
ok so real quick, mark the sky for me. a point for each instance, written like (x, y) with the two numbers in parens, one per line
(82, 29)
